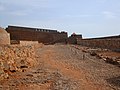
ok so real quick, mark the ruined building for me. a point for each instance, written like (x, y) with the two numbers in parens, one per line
(73, 38)
(45, 36)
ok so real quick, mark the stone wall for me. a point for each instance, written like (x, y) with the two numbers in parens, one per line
(113, 44)
(34, 34)
(28, 43)
(73, 38)
(16, 58)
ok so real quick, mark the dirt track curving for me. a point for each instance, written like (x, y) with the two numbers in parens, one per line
(64, 67)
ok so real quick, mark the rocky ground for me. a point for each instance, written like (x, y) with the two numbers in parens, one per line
(63, 67)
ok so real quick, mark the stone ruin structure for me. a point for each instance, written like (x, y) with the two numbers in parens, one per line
(4, 37)
(45, 36)
(73, 38)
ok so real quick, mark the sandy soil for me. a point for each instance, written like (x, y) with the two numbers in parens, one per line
(63, 67)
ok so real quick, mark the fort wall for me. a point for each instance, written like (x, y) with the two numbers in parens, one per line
(45, 36)
(112, 43)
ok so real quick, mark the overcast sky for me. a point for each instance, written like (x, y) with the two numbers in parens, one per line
(92, 18)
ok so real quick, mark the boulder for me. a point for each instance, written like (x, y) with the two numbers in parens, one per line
(4, 37)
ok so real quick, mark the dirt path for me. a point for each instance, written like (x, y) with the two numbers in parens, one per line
(63, 67)
(52, 58)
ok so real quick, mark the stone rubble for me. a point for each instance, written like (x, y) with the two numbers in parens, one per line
(16, 58)
(97, 53)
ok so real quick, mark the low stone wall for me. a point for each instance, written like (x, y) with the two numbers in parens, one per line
(16, 59)
(28, 42)
(112, 44)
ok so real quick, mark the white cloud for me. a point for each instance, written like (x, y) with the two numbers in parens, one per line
(24, 7)
(18, 13)
(108, 14)
(78, 16)
(28, 3)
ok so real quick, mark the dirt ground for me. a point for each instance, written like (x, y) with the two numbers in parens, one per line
(64, 67)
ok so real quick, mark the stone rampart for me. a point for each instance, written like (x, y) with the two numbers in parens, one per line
(45, 36)
(113, 43)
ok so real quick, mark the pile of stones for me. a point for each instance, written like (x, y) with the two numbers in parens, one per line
(15, 58)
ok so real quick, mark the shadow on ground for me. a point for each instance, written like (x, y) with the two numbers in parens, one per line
(114, 81)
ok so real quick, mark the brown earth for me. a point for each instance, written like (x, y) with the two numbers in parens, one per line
(64, 67)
